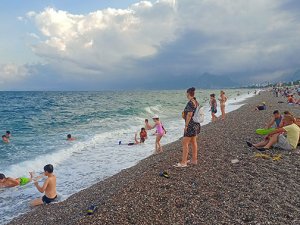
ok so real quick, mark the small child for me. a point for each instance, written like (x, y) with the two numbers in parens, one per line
(147, 125)
(213, 107)
(159, 133)
(13, 182)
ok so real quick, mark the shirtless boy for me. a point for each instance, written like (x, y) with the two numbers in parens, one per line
(49, 187)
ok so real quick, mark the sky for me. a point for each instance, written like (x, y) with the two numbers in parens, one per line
(131, 44)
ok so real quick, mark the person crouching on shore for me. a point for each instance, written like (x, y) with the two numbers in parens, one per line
(277, 139)
(49, 187)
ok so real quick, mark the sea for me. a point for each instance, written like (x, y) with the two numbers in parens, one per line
(40, 122)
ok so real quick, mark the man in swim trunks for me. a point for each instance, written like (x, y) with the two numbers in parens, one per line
(49, 187)
(13, 182)
(276, 118)
(277, 139)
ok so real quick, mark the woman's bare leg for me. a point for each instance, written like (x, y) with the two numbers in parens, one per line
(194, 150)
(185, 149)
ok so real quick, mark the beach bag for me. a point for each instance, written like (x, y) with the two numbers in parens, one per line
(199, 115)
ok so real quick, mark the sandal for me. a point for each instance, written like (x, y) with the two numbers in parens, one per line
(179, 165)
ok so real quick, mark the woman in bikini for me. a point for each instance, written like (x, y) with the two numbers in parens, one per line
(222, 100)
(191, 130)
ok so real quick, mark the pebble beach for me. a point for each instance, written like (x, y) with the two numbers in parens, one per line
(247, 190)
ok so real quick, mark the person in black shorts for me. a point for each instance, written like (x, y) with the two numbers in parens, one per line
(191, 130)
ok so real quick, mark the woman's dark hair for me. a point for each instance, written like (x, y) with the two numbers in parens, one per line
(212, 95)
(276, 112)
(8, 132)
(69, 136)
(48, 168)
(191, 91)
(146, 120)
(3, 136)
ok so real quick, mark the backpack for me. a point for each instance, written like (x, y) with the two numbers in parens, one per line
(198, 115)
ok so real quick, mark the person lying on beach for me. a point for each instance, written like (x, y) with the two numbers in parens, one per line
(136, 141)
(70, 138)
(147, 125)
(13, 182)
(5, 139)
(261, 107)
(276, 119)
(277, 139)
(49, 187)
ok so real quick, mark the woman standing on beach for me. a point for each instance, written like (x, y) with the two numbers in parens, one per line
(191, 130)
(222, 100)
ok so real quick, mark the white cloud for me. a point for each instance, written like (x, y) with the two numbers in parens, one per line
(13, 73)
(170, 37)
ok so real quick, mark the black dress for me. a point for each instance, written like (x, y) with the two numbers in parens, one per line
(193, 128)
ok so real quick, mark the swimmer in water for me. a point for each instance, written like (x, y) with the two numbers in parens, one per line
(5, 139)
(7, 182)
(70, 138)
(8, 134)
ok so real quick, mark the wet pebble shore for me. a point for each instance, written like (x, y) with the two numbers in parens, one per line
(216, 191)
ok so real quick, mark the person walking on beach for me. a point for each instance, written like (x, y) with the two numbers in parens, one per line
(213, 107)
(159, 133)
(49, 187)
(191, 130)
(222, 100)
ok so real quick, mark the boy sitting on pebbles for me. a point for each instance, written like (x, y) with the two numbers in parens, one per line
(49, 187)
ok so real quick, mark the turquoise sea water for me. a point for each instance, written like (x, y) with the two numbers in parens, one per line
(40, 121)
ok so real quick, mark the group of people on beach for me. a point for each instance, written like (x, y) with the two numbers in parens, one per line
(49, 186)
(190, 132)
(286, 132)
(213, 105)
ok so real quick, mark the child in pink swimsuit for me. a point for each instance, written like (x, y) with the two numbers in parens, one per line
(159, 133)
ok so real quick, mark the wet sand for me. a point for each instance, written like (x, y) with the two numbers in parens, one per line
(216, 191)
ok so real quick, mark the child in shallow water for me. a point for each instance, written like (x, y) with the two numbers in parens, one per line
(7, 182)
